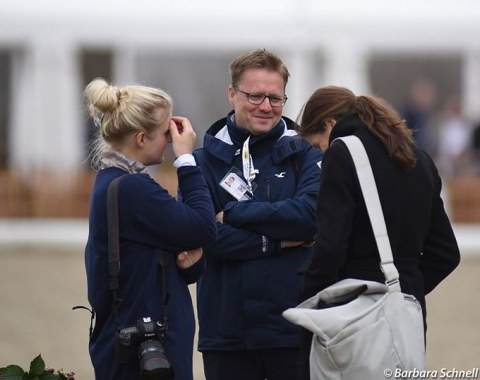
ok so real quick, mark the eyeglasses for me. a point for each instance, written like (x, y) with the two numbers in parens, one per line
(257, 99)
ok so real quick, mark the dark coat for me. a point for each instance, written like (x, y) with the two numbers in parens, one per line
(250, 280)
(151, 224)
(424, 247)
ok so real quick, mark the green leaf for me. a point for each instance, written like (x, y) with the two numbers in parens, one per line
(49, 376)
(13, 377)
(13, 372)
(37, 366)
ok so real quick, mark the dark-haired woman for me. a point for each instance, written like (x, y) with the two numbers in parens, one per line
(424, 247)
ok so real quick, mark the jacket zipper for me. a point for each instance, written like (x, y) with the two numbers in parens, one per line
(267, 181)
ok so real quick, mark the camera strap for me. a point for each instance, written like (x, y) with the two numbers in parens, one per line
(114, 253)
(113, 244)
(163, 264)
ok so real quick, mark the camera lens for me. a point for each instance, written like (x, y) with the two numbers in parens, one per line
(153, 363)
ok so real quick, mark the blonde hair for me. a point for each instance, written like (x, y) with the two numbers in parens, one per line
(257, 59)
(120, 112)
(381, 119)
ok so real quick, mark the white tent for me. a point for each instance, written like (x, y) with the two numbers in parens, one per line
(322, 43)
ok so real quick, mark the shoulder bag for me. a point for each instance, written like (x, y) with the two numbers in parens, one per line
(364, 329)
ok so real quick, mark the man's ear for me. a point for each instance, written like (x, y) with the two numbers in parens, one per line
(231, 94)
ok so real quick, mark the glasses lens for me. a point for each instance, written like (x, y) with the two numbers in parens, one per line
(275, 101)
(256, 98)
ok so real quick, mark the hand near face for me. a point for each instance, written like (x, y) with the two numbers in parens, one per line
(183, 135)
(186, 259)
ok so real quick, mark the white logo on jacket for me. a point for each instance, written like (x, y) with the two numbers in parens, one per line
(280, 175)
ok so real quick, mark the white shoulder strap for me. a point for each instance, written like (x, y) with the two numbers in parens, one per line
(374, 208)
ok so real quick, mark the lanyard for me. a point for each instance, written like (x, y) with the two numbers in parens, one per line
(249, 172)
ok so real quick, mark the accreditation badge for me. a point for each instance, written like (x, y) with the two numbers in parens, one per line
(235, 185)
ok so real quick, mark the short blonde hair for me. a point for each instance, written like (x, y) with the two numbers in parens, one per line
(257, 59)
(120, 112)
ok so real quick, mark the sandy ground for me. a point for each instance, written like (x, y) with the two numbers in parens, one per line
(39, 286)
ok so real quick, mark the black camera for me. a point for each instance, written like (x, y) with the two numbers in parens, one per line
(145, 339)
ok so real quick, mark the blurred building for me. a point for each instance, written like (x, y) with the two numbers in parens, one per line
(50, 49)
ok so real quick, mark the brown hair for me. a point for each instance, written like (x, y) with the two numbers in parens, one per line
(382, 120)
(257, 59)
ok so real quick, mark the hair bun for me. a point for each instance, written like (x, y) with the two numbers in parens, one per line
(102, 96)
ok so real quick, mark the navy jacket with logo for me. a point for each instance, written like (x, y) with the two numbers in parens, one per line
(250, 280)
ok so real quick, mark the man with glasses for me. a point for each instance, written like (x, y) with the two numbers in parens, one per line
(266, 222)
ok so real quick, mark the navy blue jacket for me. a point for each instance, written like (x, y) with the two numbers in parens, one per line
(151, 224)
(250, 280)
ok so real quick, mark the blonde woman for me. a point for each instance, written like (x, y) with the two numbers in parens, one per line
(155, 231)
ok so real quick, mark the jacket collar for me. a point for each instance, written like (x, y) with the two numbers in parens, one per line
(224, 139)
(351, 124)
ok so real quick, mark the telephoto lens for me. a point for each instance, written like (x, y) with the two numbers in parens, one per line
(153, 362)
(145, 339)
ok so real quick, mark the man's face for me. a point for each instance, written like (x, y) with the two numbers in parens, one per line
(257, 119)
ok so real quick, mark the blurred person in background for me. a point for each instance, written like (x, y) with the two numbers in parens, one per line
(476, 148)
(419, 112)
(266, 221)
(135, 126)
(424, 247)
(455, 132)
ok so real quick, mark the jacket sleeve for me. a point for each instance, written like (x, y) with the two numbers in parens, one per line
(193, 274)
(154, 217)
(334, 220)
(289, 219)
(440, 254)
(235, 244)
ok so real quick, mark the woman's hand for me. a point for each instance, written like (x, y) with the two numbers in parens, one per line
(186, 259)
(219, 217)
(183, 136)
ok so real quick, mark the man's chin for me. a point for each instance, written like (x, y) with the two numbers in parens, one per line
(262, 124)
(260, 129)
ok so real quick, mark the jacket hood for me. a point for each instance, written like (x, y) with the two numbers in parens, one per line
(219, 124)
